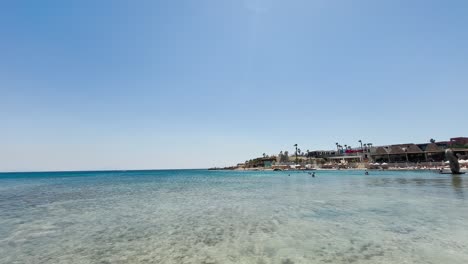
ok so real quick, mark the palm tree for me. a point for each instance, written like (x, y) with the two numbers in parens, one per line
(360, 141)
(432, 140)
(264, 155)
(295, 145)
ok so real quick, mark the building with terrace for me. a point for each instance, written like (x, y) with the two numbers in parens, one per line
(427, 152)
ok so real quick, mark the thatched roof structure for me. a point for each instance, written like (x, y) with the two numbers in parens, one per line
(413, 148)
(400, 149)
(380, 151)
(433, 147)
(405, 148)
(395, 149)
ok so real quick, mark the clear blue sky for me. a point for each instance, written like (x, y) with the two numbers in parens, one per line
(183, 84)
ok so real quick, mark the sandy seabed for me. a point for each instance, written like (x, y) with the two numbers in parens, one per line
(234, 217)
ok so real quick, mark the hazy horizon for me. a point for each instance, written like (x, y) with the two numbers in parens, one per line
(113, 85)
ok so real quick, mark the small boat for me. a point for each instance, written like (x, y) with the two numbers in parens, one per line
(449, 172)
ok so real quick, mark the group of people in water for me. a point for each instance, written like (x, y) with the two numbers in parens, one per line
(312, 174)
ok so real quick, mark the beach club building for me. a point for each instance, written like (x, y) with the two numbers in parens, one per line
(398, 154)
(426, 152)
(345, 159)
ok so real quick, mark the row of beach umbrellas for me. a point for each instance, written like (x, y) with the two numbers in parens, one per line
(378, 164)
(459, 161)
(447, 162)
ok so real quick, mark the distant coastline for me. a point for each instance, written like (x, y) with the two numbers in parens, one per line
(365, 156)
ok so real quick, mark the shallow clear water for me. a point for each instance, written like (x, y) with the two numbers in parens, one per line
(198, 216)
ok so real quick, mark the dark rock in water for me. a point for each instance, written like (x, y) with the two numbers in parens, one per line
(454, 165)
(287, 261)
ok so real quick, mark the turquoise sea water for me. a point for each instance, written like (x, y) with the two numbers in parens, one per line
(199, 216)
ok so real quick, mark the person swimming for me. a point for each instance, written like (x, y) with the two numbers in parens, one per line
(367, 173)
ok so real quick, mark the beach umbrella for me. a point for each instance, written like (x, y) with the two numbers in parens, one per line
(384, 164)
(447, 162)
(376, 164)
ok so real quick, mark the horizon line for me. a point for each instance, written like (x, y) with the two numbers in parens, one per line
(107, 170)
